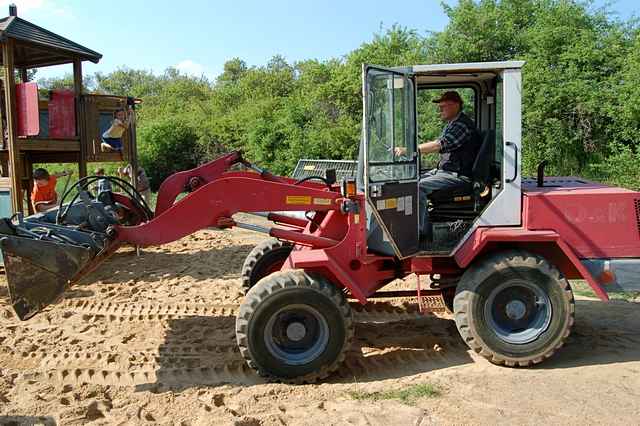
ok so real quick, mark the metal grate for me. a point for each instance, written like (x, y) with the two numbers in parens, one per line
(343, 168)
(637, 203)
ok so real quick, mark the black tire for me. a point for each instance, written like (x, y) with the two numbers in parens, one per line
(263, 260)
(285, 303)
(514, 308)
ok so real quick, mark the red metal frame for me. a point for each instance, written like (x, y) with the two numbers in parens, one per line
(334, 242)
(547, 243)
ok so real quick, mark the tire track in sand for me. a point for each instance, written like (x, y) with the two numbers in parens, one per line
(372, 312)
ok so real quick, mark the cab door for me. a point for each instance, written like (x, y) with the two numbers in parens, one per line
(390, 158)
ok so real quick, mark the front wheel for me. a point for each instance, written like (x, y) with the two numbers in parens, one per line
(514, 308)
(294, 327)
(265, 258)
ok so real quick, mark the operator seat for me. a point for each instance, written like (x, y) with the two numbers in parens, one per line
(467, 199)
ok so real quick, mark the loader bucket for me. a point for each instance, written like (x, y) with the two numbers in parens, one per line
(38, 271)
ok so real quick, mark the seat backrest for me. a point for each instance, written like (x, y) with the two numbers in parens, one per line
(484, 159)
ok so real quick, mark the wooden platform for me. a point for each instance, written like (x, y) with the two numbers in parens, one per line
(55, 145)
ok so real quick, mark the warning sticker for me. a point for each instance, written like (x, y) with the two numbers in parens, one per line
(389, 203)
(298, 199)
(322, 201)
(309, 167)
(408, 205)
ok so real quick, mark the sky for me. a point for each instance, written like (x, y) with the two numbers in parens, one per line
(198, 36)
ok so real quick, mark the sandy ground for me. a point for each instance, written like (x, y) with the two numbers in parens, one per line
(150, 340)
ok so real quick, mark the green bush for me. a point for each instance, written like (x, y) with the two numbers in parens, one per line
(621, 168)
(167, 146)
(580, 97)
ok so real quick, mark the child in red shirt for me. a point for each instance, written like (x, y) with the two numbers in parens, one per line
(44, 195)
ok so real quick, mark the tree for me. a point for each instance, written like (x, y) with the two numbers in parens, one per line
(580, 99)
(167, 146)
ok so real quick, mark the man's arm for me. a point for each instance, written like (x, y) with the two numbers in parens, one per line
(450, 141)
(429, 147)
(423, 148)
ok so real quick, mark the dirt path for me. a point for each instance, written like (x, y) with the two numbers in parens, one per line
(150, 340)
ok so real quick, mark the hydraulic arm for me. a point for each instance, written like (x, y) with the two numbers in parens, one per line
(47, 253)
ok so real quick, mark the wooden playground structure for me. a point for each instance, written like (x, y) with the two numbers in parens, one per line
(66, 127)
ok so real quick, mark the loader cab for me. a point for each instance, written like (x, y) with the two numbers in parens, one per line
(398, 112)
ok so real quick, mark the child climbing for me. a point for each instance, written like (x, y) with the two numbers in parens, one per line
(112, 137)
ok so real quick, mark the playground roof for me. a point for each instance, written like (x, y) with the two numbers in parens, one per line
(36, 47)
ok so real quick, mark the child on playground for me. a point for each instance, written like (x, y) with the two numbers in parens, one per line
(103, 185)
(112, 137)
(142, 181)
(44, 195)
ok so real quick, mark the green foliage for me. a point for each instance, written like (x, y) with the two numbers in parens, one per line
(621, 168)
(408, 395)
(581, 288)
(581, 97)
(167, 146)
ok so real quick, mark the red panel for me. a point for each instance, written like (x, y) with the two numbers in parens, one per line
(595, 222)
(520, 237)
(62, 114)
(27, 106)
(221, 198)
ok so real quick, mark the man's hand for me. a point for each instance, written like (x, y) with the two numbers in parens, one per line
(400, 150)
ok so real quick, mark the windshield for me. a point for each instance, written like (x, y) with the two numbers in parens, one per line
(391, 131)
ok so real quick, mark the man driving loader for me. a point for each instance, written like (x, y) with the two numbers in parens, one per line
(458, 146)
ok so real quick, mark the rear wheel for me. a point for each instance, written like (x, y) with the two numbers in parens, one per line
(294, 327)
(265, 258)
(514, 308)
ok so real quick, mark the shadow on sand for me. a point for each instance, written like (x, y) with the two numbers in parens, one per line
(604, 333)
(202, 351)
(157, 265)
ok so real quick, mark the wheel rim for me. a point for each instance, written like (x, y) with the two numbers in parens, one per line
(518, 312)
(296, 334)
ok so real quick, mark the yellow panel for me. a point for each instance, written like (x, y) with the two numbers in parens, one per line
(390, 203)
(298, 199)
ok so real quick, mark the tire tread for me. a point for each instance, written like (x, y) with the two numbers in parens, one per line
(279, 281)
(481, 271)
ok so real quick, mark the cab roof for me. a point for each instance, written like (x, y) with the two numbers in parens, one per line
(459, 73)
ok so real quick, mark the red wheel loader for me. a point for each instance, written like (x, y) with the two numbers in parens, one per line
(503, 247)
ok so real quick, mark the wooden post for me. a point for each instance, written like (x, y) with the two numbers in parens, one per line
(28, 170)
(80, 117)
(3, 144)
(133, 149)
(12, 128)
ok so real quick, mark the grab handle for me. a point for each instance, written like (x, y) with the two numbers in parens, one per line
(515, 166)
